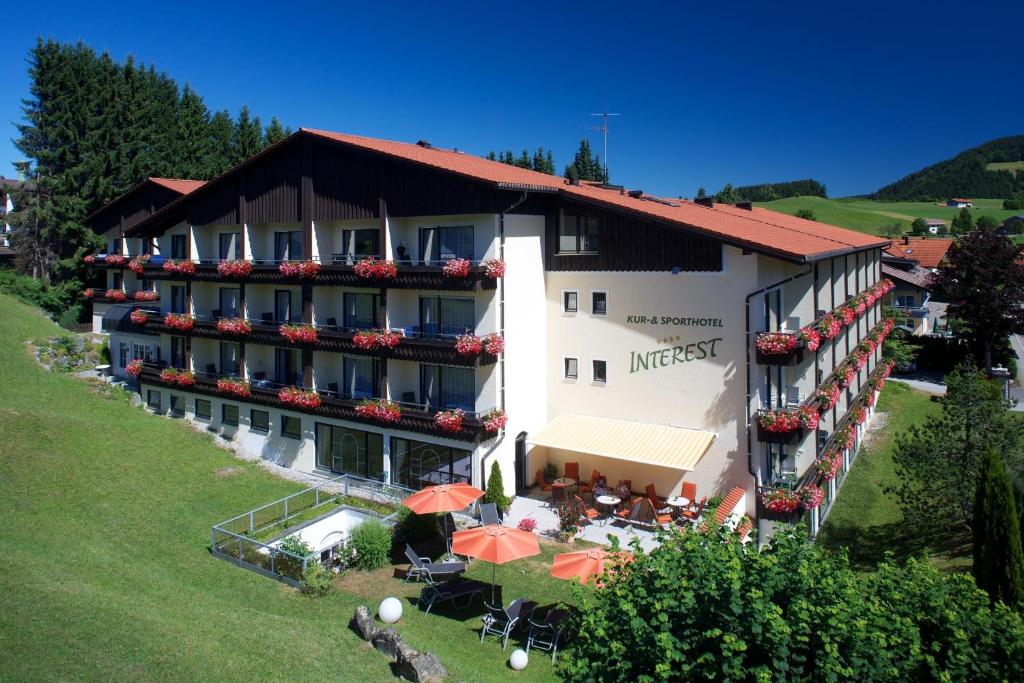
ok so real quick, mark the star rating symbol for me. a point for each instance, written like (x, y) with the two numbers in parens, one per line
(669, 340)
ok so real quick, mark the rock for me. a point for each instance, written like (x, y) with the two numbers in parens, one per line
(423, 667)
(388, 641)
(364, 623)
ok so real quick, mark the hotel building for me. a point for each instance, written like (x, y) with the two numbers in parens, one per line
(545, 321)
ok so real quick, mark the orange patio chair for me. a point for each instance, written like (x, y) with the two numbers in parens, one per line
(692, 514)
(652, 496)
(572, 470)
(586, 511)
(544, 486)
(689, 492)
(589, 486)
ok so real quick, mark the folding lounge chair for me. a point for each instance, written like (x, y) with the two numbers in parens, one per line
(501, 621)
(450, 591)
(489, 514)
(545, 633)
(422, 567)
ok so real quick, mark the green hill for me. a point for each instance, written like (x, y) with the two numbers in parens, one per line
(866, 215)
(988, 170)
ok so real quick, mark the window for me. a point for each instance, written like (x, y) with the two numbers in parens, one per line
(359, 376)
(291, 427)
(578, 234)
(350, 451)
(286, 364)
(177, 299)
(906, 301)
(229, 414)
(118, 280)
(357, 244)
(230, 352)
(283, 306)
(445, 243)
(599, 302)
(259, 421)
(230, 301)
(571, 370)
(287, 245)
(177, 406)
(416, 464)
(178, 246)
(122, 355)
(446, 316)
(599, 371)
(230, 246)
(570, 301)
(360, 310)
(178, 352)
(444, 387)
(204, 410)
(147, 245)
(153, 400)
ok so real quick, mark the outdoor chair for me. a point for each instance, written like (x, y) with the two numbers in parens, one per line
(545, 633)
(453, 591)
(572, 470)
(661, 516)
(420, 567)
(332, 323)
(692, 515)
(652, 496)
(267, 318)
(489, 514)
(544, 486)
(558, 495)
(501, 621)
(586, 512)
(689, 491)
(588, 487)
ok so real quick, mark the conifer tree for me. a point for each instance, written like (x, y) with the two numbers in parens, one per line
(222, 131)
(549, 163)
(496, 489)
(194, 143)
(524, 160)
(963, 223)
(998, 560)
(248, 136)
(275, 132)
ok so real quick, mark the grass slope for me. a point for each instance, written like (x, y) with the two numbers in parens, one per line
(106, 573)
(865, 215)
(1012, 166)
(867, 520)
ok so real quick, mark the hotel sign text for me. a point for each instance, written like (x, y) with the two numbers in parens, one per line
(677, 321)
(652, 360)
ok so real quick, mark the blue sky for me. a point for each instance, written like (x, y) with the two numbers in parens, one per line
(854, 94)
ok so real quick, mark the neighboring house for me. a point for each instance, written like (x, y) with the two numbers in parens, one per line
(935, 225)
(959, 203)
(8, 186)
(911, 297)
(927, 252)
(625, 322)
(1014, 225)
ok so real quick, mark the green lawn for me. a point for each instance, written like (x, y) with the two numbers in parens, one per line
(869, 216)
(106, 572)
(1011, 166)
(867, 519)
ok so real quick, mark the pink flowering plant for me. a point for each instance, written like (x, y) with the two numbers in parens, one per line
(179, 321)
(234, 386)
(372, 268)
(180, 267)
(495, 420)
(298, 334)
(811, 496)
(494, 268)
(145, 295)
(303, 269)
(829, 326)
(778, 421)
(88, 292)
(138, 316)
(297, 397)
(810, 337)
(116, 295)
(781, 500)
(235, 268)
(237, 326)
(527, 524)
(138, 264)
(776, 343)
(494, 344)
(468, 345)
(456, 267)
(115, 260)
(183, 378)
(450, 420)
(134, 367)
(379, 410)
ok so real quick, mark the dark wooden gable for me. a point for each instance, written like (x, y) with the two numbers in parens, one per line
(132, 208)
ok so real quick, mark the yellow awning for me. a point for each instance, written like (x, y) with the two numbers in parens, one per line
(673, 447)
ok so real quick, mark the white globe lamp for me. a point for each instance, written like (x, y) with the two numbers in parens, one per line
(518, 660)
(390, 610)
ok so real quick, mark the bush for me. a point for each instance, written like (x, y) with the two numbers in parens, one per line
(806, 214)
(371, 545)
(551, 472)
(71, 317)
(56, 300)
(496, 489)
(410, 527)
(317, 581)
(1013, 204)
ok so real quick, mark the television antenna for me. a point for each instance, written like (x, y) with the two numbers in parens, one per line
(603, 129)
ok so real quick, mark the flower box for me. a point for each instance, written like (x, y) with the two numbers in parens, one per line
(88, 293)
(827, 396)
(811, 496)
(456, 267)
(829, 326)
(179, 321)
(234, 268)
(780, 505)
(145, 295)
(183, 378)
(494, 344)
(116, 295)
(810, 337)
(778, 348)
(379, 410)
(296, 397)
(830, 462)
(368, 340)
(778, 421)
(494, 268)
(234, 387)
(371, 268)
(295, 334)
(790, 437)
(180, 267)
(134, 367)
(115, 260)
(303, 269)
(468, 345)
(495, 420)
(138, 316)
(237, 326)
(450, 420)
(90, 259)
(138, 264)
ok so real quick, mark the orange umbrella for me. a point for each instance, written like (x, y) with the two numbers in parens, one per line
(586, 564)
(442, 498)
(496, 544)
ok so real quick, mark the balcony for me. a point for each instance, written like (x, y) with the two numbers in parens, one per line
(413, 418)
(116, 296)
(338, 272)
(779, 348)
(910, 311)
(418, 347)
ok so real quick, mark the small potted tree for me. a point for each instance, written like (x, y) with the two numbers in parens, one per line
(496, 490)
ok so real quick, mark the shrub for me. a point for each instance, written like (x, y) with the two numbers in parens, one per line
(371, 545)
(70, 317)
(550, 472)
(410, 527)
(317, 581)
(496, 489)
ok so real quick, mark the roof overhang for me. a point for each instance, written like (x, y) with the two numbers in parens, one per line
(640, 442)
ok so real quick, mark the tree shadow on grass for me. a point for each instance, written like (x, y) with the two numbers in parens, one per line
(949, 545)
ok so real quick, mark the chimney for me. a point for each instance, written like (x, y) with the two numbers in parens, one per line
(745, 205)
(636, 194)
(906, 239)
(704, 201)
(574, 181)
(424, 144)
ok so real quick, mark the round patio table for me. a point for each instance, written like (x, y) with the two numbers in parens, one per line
(677, 503)
(608, 502)
(565, 481)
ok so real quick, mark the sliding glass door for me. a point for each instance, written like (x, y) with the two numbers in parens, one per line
(445, 243)
(350, 451)
(360, 310)
(446, 316)
(443, 387)
(288, 245)
(359, 376)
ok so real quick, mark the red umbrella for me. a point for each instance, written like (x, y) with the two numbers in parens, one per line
(495, 544)
(586, 564)
(442, 498)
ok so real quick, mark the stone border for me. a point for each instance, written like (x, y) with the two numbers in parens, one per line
(423, 667)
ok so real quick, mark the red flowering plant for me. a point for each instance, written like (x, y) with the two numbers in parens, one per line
(810, 337)
(859, 359)
(860, 305)
(138, 316)
(468, 345)
(234, 387)
(859, 415)
(494, 268)
(296, 397)
(456, 267)
(808, 417)
(183, 378)
(776, 343)
(116, 295)
(379, 410)
(811, 496)
(845, 437)
(234, 268)
(134, 367)
(778, 421)
(846, 314)
(829, 326)
(179, 321)
(182, 267)
(781, 500)
(138, 264)
(494, 420)
(295, 334)
(449, 420)
(388, 339)
(494, 344)
(90, 259)
(365, 339)
(829, 463)
(373, 268)
(845, 374)
(145, 295)
(527, 524)
(234, 326)
(304, 269)
(115, 260)
(88, 293)
(827, 395)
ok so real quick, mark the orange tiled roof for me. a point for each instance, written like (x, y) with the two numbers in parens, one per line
(179, 185)
(729, 503)
(927, 251)
(758, 228)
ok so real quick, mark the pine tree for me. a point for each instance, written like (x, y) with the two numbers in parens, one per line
(524, 160)
(585, 166)
(275, 132)
(963, 223)
(222, 131)
(549, 163)
(247, 139)
(701, 192)
(491, 156)
(496, 489)
(998, 560)
(194, 143)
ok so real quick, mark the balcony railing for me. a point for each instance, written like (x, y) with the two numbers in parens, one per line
(100, 296)
(910, 311)
(414, 418)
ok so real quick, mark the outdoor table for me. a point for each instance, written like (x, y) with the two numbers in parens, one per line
(677, 502)
(609, 502)
(565, 481)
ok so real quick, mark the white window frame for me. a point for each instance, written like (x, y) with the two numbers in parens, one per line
(562, 302)
(606, 298)
(566, 378)
(593, 379)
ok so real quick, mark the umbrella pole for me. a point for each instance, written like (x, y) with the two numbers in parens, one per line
(494, 568)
